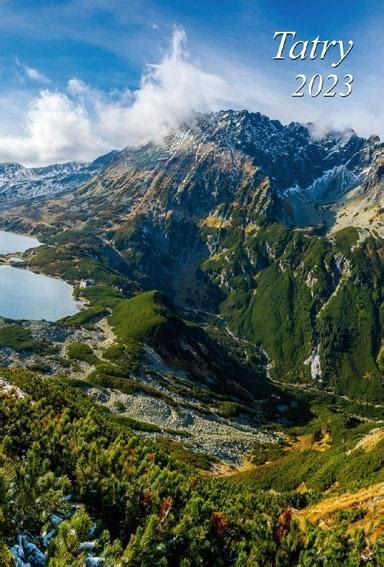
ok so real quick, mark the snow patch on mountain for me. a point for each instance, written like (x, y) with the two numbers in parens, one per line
(330, 186)
(18, 183)
(313, 361)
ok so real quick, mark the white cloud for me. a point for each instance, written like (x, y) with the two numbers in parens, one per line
(82, 122)
(35, 75)
(57, 129)
(32, 73)
(169, 95)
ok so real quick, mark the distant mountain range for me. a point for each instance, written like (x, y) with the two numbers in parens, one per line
(18, 183)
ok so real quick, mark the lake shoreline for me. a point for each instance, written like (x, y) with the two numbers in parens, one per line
(58, 300)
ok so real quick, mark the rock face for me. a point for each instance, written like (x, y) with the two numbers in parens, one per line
(275, 230)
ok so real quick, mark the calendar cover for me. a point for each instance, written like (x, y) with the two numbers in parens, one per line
(191, 283)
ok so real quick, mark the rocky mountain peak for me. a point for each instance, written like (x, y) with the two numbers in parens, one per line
(219, 162)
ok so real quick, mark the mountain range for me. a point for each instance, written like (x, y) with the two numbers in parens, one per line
(277, 231)
(18, 183)
(218, 400)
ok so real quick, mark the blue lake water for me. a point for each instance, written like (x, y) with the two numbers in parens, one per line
(12, 242)
(26, 295)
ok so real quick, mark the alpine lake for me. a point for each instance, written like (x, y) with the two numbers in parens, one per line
(26, 295)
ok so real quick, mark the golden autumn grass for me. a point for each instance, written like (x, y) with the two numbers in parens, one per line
(368, 500)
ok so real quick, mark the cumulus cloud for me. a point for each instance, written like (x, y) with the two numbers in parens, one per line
(169, 94)
(82, 122)
(32, 73)
(57, 129)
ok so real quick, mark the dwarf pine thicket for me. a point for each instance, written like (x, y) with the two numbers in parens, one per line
(82, 485)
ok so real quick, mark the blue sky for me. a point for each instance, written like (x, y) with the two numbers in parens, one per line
(81, 66)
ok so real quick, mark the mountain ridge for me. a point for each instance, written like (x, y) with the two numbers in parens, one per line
(18, 183)
(211, 218)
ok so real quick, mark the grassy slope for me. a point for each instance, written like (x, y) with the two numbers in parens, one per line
(335, 460)
(150, 318)
(280, 279)
(364, 509)
(143, 317)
